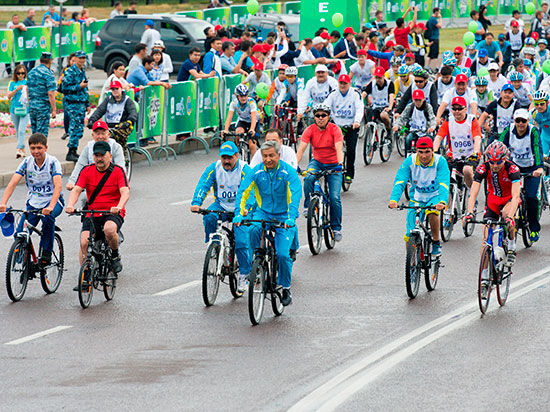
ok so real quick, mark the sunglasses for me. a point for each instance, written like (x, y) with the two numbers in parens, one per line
(457, 54)
(495, 163)
(18, 73)
(457, 108)
(540, 104)
(520, 120)
(321, 115)
(420, 81)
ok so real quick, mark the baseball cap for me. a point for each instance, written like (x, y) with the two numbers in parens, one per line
(458, 49)
(100, 124)
(507, 86)
(349, 30)
(514, 23)
(46, 55)
(493, 66)
(324, 35)
(501, 36)
(257, 48)
(149, 22)
(218, 27)
(389, 43)
(318, 40)
(266, 47)
(461, 78)
(80, 53)
(101, 147)
(159, 43)
(521, 114)
(361, 52)
(399, 47)
(418, 94)
(345, 78)
(409, 55)
(321, 68)
(115, 84)
(373, 34)
(424, 143)
(258, 66)
(228, 149)
(482, 53)
(379, 71)
(459, 101)
(7, 224)
(421, 25)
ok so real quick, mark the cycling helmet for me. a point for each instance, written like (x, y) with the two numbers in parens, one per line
(529, 50)
(481, 81)
(530, 41)
(449, 61)
(543, 41)
(421, 72)
(283, 67)
(466, 71)
(291, 71)
(414, 67)
(403, 71)
(321, 107)
(527, 62)
(540, 96)
(395, 61)
(496, 151)
(241, 90)
(447, 53)
(515, 75)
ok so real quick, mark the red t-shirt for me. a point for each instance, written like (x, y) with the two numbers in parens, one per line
(372, 46)
(109, 196)
(323, 142)
(402, 36)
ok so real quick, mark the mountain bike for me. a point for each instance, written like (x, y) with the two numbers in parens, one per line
(400, 141)
(97, 271)
(493, 260)
(220, 261)
(286, 123)
(522, 218)
(419, 254)
(23, 264)
(318, 213)
(263, 276)
(376, 138)
(241, 140)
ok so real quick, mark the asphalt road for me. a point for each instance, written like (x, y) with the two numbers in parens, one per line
(351, 340)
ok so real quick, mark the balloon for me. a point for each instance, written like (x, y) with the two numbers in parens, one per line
(252, 6)
(530, 8)
(483, 72)
(546, 67)
(337, 19)
(262, 90)
(468, 38)
(472, 26)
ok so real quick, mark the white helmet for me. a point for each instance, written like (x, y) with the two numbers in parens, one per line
(291, 71)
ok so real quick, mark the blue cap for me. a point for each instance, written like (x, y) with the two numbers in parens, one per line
(501, 36)
(527, 62)
(149, 22)
(482, 53)
(507, 86)
(228, 149)
(368, 26)
(80, 53)
(7, 224)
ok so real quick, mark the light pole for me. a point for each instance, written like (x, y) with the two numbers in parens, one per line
(60, 60)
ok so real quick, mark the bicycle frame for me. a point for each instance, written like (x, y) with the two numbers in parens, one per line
(225, 238)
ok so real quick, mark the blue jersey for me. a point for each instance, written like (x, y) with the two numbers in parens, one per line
(543, 120)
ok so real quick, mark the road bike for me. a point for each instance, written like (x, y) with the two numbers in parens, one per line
(263, 276)
(220, 261)
(23, 263)
(241, 140)
(522, 218)
(419, 254)
(345, 185)
(97, 270)
(318, 213)
(286, 123)
(494, 262)
(376, 138)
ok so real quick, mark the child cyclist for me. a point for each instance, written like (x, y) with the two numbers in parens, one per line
(42, 173)
(247, 114)
(484, 96)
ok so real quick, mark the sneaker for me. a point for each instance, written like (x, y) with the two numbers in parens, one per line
(348, 179)
(243, 283)
(117, 264)
(436, 249)
(72, 156)
(511, 258)
(287, 297)
(337, 235)
(65, 135)
(304, 213)
(19, 153)
(45, 259)
(484, 289)
(534, 236)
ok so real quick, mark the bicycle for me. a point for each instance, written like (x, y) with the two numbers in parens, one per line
(376, 138)
(419, 254)
(220, 261)
(96, 272)
(493, 259)
(400, 141)
(263, 276)
(285, 123)
(544, 202)
(345, 185)
(241, 140)
(318, 214)
(23, 265)
(522, 219)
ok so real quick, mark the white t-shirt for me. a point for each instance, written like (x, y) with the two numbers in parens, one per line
(304, 55)
(39, 179)
(469, 95)
(363, 74)
(149, 37)
(288, 155)
(497, 85)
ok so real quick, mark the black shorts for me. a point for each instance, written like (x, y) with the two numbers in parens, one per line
(374, 114)
(99, 222)
(459, 164)
(246, 126)
(434, 49)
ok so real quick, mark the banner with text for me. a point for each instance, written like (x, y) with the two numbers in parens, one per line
(71, 40)
(208, 101)
(6, 46)
(89, 35)
(239, 14)
(30, 44)
(192, 13)
(292, 7)
(182, 108)
(274, 8)
(229, 83)
(217, 16)
(153, 104)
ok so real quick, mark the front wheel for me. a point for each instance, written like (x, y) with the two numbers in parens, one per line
(470, 227)
(485, 279)
(328, 233)
(50, 278)
(210, 276)
(400, 143)
(17, 270)
(368, 145)
(257, 291)
(314, 226)
(109, 285)
(85, 283)
(431, 278)
(448, 217)
(413, 266)
(345, 185)
(128, 162)
(524, 225)
(276, 290)
(503, 287)
(386, 146)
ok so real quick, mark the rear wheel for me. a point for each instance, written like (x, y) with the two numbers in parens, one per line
(276, 290)
(470, 227)
(525, 225)
(368, 144)
(210, 275)
(345, 185)
(256, 291)
(413, 266)
(448, 217)
(85, 283)
(314, 226)
(485, 278)
(17, 270)
(128, 162)
(50, 278)
(386, 145)
(431, 278)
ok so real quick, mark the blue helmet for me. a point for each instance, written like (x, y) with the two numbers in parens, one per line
(516, 76)
(403, 70)
(241, 90)
(481, 81)
(449, 61)
(543, 41)
(447, 53)
(466, 71)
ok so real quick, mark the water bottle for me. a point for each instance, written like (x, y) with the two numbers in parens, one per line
(499, 253)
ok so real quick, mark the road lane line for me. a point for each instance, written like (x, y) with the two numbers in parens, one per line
(338, 389)
(183, 202)
(37, 335)
(179, 288)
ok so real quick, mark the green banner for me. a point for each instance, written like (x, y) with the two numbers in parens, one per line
(424, 9)
(506, 7)
(191, 13)
(89, 35)
(395, 9)
(30, 44)
(6, 46)
(209, 113)
(153, 104)
(239, 14)
(316, 13)
(229, 83)
(274, 8)
(71, 40)
(491, 6)
(217, 16)
(132, 139)
(463, 8)
(182, 108)
(445, 6)
(292, 7)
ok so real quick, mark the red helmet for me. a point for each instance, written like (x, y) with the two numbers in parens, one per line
(496, 151)
(283, 67)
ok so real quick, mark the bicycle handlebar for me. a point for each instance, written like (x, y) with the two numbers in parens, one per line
(274, 223)
(321, 173)
(218, 212)
(401, 207)
(487, 222)
(79, 212)
(32, 212)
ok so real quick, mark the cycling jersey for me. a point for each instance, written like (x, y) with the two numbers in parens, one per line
(516, 40)
(495, 86)
(363, 74)
(288, 155)
(442, 88)
(244, 112)
(380, 95)
(469, 95)
(401, 86)
(39, 180)
(316, 92)
(525, 151)
(460, 136)
(484, 99)
(502, 117)
(522, 96)
(289, 91)
(346, 109)
(498, 184)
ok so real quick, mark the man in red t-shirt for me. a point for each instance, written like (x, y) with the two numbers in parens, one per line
(113, 196)
(327, 142)
(401, 32)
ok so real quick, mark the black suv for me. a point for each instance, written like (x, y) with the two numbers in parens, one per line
(119, 36)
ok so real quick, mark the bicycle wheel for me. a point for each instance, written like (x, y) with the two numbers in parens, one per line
(386, 145)
(525, 225)
(486, 263)
(233, 281)
(128, 162)
(503, 287)
(314, 226)
(400, 143)
(85, 283)
(345, 185)
(276, 290)
(50, 278)
(448, 216)
(431, 278)
(368, 145)
(257, 291)
(210, 277)
(413, 266)
(17, 270)
(327, 229)
(470, 228)
(109, 285)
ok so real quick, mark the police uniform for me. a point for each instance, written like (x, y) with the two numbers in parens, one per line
(40, 81)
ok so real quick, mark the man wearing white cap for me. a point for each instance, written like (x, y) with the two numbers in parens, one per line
(316, 90)
(495, 80)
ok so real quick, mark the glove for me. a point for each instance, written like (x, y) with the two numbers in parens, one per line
(474, 157)
(339, 168)
(299, 170)
(467, 218)
(289, 222)
(125, 125)
(237, 220)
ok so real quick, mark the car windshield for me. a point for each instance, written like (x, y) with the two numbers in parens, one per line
(194, 27)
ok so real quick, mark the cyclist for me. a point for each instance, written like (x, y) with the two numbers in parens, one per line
(403, 81)
(42, 173)
(421, 82)
(277, 85)
(326, 140)
(463, 136)
(460, 90)
(495, 80)
(106, 188)
(541, 116)
(317, 89)
(501, 112)
(288, 154)
(224, 177)
(289, 92)
(523, 141)
(516, 37)
(484, 96)
(362, 69)
(380, 96)
(444, 82)
(430, 178)
(247, 115)
(418, 116)
(392, 74)
(461, 60)
(521, 92)
(119, 112)
(503, 195)
(278, 192)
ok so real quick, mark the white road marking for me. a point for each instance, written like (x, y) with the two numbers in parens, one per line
(341, 387)
(183, 202)
(176, 289)
(37, 335)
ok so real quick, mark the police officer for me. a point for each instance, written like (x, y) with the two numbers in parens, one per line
(75, 90)
(42, 90)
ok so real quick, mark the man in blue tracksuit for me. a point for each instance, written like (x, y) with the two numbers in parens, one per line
(278, 191)
(225, 177)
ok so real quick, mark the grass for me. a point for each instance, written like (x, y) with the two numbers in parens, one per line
(452, 37)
